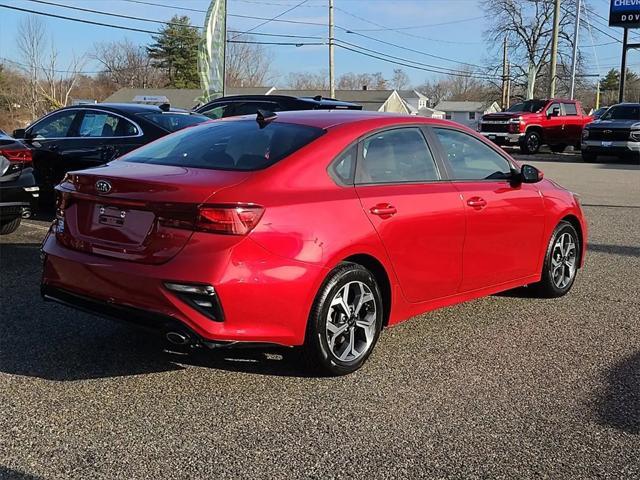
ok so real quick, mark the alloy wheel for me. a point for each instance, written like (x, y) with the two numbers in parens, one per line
(563, 260)
(351, 321)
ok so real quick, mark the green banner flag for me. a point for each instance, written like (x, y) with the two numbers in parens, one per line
(211, 53)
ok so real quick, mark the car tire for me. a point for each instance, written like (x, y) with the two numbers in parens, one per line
(560, 262)
(558, 148)
(531, 142)
(9, 226)
(589, 157)
(339, 342)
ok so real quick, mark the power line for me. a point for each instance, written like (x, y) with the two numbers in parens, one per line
(395, 29)
(274, 18)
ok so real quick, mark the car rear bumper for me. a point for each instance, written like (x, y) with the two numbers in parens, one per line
(264, 298)
(503, 138)
(616, 147)
(18, 198)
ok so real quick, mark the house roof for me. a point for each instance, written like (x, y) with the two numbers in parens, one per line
(411, 94)
(371, 100)
(179, 97)
(448, 106)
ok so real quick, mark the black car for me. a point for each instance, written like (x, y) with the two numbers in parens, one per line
(84, 136)
(18, 189)
(596, 114)
(249, 104)
(616, 133)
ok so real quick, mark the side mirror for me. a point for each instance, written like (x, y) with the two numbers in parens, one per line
(19, 133)
(530, 174)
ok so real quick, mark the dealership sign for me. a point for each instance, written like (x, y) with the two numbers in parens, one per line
(624, 13)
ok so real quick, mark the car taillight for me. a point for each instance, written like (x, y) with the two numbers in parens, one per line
(18, 158)
(229, 219)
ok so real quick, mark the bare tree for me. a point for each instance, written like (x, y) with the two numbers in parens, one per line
(527, 25)
(48, 86)
(400, 79)
(127, 65)
(247, 64)
(308, 81)
(358, 81)
(460, 87)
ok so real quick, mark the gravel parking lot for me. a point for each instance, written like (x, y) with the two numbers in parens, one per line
(502, 387)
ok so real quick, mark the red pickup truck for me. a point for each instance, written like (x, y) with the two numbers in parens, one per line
(533, 123)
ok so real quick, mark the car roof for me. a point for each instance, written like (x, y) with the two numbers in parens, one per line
(327, 119)
(128, 107)
(321, 101)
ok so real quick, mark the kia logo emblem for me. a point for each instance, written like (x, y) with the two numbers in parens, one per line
(102, 186)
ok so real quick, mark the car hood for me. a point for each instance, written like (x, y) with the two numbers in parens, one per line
(613, 124)
(501, 116)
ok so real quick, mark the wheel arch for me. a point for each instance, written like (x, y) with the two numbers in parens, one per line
(575, 223)
(535, 128)
(381, 276)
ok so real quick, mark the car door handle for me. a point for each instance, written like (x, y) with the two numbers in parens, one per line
(383, 210)
(477, 202)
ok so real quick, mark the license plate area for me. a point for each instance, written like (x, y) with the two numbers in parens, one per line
(111, 216)
(607, 144)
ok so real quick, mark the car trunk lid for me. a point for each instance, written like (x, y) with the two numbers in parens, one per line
(135, 211)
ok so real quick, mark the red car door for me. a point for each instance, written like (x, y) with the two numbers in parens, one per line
(418, 216)
(553, 125)
(504, 222)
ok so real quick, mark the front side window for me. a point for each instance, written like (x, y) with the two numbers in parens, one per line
(227, 145)
(57, 125)
(623, 112)
(395, 156)
(552, 107)
(471, 159)
(105, 125)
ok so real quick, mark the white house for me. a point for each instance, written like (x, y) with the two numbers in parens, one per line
(467, 113)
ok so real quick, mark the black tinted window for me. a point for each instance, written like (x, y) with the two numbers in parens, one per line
(102, 124)
(218, 111)
(531, 106)
(570, 109)
(344, 165)
(251, 108)
(471, 159)
(227, 145)
(172, 122)
(399, 155)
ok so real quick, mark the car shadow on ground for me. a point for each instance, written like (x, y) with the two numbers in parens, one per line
(10, 474)
(619, 404)
(45, 340)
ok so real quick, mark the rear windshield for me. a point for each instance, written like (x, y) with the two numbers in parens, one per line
(172, 122)
(227, 145)
(623, 112)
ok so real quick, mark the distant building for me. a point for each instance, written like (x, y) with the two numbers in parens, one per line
(467, 113)
(372, 100)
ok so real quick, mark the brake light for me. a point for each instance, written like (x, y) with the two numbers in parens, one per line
(19, 158)
(229, 219)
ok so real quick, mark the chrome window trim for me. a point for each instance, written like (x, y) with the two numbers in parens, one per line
(85, 109)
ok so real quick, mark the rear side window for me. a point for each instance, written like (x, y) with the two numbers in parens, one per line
(342, 167)
(102, 124)
(395, 156)
(227, 145)
(172, 122)
(570, 109)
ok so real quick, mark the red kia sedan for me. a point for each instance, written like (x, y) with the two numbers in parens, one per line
(313, 228)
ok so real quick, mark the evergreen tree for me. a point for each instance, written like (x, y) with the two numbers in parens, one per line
(175, 50)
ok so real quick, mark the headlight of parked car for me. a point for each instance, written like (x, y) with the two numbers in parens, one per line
(634, 135)
(585, 134)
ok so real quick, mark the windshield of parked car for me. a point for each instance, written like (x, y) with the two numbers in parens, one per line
(622, 112)
(227, 145)
(530, 106)
(172, 122)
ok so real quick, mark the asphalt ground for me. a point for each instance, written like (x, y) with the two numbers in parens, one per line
(502, 387)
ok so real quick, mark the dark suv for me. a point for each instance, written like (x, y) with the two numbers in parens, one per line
(249, 104)
(616, 133)
(18, 190)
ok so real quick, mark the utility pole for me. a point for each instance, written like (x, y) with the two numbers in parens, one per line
(332, 81)
(508, 103)
(623, 66)
(504, 74)
(574, 57)
(598, 95)
(554, 49)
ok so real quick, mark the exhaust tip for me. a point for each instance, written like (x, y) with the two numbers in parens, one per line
(178, 338)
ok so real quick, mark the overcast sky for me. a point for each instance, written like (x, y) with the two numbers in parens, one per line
(457, 42)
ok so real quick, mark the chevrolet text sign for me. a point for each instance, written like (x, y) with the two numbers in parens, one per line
(624, 13)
